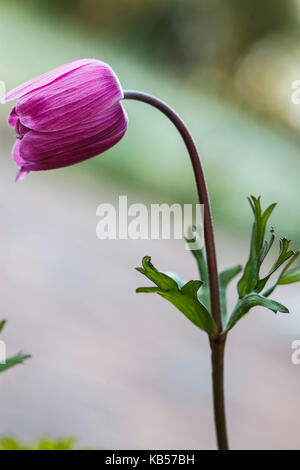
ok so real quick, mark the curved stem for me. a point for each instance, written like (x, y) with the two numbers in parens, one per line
(202, 194)
(218, 342)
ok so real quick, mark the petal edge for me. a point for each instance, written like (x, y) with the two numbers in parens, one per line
(45, 79)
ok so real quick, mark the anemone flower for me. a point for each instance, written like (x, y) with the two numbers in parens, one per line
(66, 116)
(74, 113)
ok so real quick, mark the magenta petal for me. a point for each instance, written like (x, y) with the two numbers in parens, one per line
(44, 151)
(66, 116)
(19, 161)
(70, 99)
(13, 118)
(16, 154)
(45, 79)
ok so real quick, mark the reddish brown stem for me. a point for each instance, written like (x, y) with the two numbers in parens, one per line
(202, 194)
(218, 342)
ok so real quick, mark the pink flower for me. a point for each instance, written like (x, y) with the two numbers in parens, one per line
(66, 116)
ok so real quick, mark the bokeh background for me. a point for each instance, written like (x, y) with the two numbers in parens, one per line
(115, 369)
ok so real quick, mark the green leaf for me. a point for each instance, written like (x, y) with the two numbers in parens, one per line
(2, 323)
(184, 299)
(176, 277)
(258, 249)
(191, 288)
(267, 246)
(290, 277)
(224, 279)
(162, 281)
(13, 361)
(284, 255)
(249, 301)
(284, 272)
(200, 258)
(148, 290)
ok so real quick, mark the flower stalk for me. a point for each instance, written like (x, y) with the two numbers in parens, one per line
(202, 195)
(217, 342)
(217, 361)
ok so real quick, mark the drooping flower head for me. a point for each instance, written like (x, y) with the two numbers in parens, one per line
(66, 116)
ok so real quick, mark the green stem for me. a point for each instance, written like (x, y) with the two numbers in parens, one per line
(203, 273)
(202, 266)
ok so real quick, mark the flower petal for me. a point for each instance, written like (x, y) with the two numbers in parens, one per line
(70, 99)
(13, 118)
(45, 79)
(45, 151)
(16, 155)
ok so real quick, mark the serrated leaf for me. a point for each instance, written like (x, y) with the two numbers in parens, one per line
(258, 249)
(224, 279)
(249, 301)
(184, 299)
(13, 361)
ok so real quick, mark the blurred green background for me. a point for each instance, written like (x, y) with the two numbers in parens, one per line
(105, 364)
(226, 66)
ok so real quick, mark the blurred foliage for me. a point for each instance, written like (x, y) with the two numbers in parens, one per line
(185, 34)
(204, 42)
(11, 443)
(12, 361)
